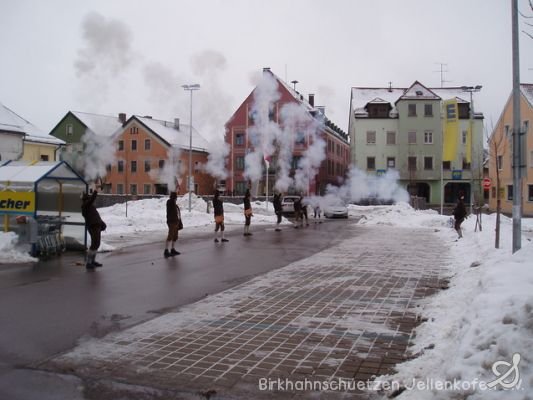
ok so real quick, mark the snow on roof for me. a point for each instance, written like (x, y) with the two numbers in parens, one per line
(46, 139)
(100, 125)
(12, 122)
(527, 92)
(361, 96)
(26, 172)
(175, 137)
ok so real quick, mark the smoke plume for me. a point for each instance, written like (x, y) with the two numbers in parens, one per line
(98, 153)
(172, 171)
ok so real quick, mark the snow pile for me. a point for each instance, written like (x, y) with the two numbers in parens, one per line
(484, 317)
(10, 251)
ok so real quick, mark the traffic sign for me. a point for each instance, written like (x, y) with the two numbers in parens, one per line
(487, 183)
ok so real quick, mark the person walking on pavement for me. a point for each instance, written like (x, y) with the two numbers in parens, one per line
(304, 212)
(95, 226)
(219, 217)
(247, 213)
(317, 211)
(298, 212)
(277, 209)
(173, 223)
(459, 213)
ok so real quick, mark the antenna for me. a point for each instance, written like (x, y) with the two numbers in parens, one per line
(442, 71)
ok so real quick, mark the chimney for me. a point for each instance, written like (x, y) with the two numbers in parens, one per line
(266, 70)
(177, 123)
(122, 118)
(312, 100)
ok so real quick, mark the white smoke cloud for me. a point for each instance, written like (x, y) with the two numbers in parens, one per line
(107, 46)
(263, 132)
(216, 160)
(98, 153)
(172, 171)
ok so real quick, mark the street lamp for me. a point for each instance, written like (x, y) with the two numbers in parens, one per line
(471, 89)
(190, 88)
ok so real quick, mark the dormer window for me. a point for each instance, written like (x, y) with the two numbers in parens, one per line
(419, 93)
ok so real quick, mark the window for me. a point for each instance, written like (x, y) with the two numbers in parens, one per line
(371, 137)
(411, 163)
(120, 188)
(161, 164)
(499, 162)
(134, 166)
(196, 166)
(147, 189)
(239, 139)
(147, 144)
(108, 187)
(295, 161)
(239, 163)
(411, 110)
(69, 130)
(411, 138)
(371, 163)
(120, 166)
(446, 165)
(44, 157)
(509, 192)
(493, 192)
(466, 165)
(464, 137)
(121, 145)
(108, 168)
(133, 145)
(133, 188)
(428, 163)
(531, 159)
(529, 192)
(391, 137)
(428, 137)
(134, 130)
(147, 166)
(507, 130)
(240, 187)
(428, 110)
(525, 127)
(391, 162)
(300, 138)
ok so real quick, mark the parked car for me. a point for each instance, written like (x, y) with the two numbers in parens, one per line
(337, 211)
(287, 204)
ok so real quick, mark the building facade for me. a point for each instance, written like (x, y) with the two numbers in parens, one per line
(501, 151)
(153, 155)
(337, 150)
(405, 129)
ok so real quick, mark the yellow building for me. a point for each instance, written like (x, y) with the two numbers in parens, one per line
(500, 150)
(41, 148)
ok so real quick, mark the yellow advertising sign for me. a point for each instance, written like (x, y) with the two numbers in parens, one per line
(19, 203)
(451, 130)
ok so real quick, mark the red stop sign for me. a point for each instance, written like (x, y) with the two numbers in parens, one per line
(487, 183)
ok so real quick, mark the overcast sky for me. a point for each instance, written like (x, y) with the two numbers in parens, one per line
(133, 56)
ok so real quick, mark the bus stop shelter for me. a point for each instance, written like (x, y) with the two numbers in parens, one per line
(39, 199)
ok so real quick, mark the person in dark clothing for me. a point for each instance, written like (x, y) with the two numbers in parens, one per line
(298, 213)
(218, 207)
(304, 212)
(247, 213)
(95, 226)
(173, 221)
(277, 209)
(459, 213)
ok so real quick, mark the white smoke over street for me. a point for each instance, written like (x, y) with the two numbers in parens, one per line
(172, 171)
(216, 160)
(98, 153)
(264, 131)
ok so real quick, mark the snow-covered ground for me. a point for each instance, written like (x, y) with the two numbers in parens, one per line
(484, 317)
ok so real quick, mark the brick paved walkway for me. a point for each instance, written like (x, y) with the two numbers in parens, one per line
(345, 313)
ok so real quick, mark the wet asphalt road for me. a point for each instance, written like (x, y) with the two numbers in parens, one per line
(47, 308)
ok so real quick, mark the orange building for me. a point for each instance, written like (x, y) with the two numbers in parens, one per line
(500, 150)
(153, 155)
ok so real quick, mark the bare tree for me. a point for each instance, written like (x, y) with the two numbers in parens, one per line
(496, 145)
(528, 16)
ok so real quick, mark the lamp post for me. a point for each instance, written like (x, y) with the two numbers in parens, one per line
(190, 88)
(471, 89)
